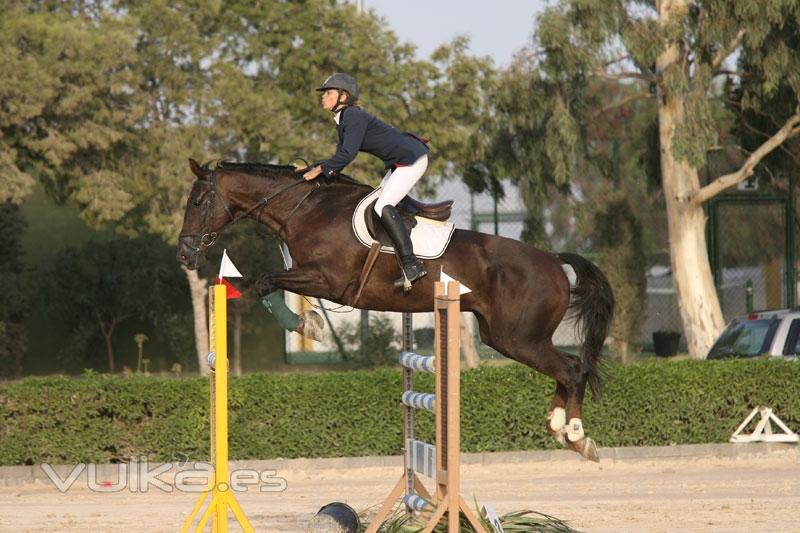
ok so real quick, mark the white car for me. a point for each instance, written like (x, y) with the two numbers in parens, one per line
(772, 333)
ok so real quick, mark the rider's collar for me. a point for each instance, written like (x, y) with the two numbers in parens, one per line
(336, 116)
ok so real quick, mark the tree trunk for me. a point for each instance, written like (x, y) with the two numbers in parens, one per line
(698, 303)
(624, 350)
(199, 292)
(109, 352)
(108, 332)
(697, 297)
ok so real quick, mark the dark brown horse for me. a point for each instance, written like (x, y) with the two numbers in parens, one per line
(519, 294)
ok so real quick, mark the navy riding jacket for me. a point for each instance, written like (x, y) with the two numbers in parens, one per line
(361, 132)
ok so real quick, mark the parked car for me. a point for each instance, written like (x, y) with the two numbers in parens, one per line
(770, 333)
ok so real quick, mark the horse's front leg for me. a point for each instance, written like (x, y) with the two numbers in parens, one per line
(306, 281)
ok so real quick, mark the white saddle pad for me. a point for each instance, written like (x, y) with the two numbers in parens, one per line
(429, 237)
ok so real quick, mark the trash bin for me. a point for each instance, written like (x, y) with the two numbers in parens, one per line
(665, 343)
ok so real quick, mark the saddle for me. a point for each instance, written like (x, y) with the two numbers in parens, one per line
(409, 209)
(430, 237)
(435, 211)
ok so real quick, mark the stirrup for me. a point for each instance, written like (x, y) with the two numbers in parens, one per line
(411, 272)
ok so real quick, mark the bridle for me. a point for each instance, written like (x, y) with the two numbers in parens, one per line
(207, 238)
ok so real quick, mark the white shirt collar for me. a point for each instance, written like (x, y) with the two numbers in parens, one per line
(336, 117)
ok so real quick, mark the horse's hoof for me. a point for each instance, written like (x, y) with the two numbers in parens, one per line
(586, 447)
(311, 325)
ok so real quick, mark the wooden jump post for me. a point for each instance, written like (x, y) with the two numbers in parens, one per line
(441, 462)
(222, 497)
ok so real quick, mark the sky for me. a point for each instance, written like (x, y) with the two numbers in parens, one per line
(497, 29)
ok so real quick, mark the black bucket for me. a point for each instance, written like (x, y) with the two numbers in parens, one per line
(336, 517)
(665, 343)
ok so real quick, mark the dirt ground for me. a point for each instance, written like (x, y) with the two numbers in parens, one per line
(751, 493)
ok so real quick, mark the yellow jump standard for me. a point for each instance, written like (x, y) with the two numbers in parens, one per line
(222, 497)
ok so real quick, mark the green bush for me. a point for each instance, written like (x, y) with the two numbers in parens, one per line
(100, 418)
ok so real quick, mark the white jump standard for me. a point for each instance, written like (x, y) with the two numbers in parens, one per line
(440, 462)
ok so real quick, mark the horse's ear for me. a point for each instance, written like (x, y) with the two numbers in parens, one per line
(197, 170)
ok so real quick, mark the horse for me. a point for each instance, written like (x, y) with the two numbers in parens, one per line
(519, 294)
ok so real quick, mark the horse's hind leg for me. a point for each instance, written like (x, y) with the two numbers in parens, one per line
(564, 418)
(557, 414)
(564, 368)
(575, 438)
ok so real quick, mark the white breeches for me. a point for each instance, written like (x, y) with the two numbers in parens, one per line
(397, 183)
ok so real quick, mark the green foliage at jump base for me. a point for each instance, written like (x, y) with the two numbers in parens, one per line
(100, 418)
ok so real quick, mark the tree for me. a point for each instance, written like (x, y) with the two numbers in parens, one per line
(96, 288)
(15, 293)
(757, 121)
(598, 207)
(676, 53)
(68, 101)
(618, 235)
(509, 146)
(138, 88)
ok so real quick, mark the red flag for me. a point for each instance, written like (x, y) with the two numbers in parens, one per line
(231, 292)
(228, 270)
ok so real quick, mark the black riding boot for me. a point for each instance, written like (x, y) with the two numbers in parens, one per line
(412, 268)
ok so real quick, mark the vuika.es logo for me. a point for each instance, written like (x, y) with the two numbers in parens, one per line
(136, 476)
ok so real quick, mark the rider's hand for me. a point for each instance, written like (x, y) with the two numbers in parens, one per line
(313, 173)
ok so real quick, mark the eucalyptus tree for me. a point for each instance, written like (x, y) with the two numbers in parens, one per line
(677, 55)
(757, 121)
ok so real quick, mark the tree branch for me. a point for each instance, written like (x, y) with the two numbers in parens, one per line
(790, 154)
(738, 73)
(623, 76)
(789, 129)
(723, 53)
(757, 111)
(628, 99)
(617, 60)
(754, 129)
(726, 146)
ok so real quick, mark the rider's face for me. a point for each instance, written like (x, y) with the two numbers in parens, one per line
(329, 98)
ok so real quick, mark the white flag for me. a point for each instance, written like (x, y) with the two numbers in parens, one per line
(227, 269)
(462, 289)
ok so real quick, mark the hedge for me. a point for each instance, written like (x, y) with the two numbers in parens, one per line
(102, 418)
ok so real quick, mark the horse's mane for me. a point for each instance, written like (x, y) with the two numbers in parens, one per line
(256, 169)
(268, 170)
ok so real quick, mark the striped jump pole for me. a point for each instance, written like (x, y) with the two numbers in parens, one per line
(442, 461)
(222, 497)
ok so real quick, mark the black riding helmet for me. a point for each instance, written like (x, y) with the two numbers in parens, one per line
(342, 82)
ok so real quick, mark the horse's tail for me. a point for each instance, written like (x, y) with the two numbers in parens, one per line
(593, 303)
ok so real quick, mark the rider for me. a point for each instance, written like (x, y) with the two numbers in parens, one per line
(404, 154)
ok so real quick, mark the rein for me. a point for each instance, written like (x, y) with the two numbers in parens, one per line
(207, 239)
